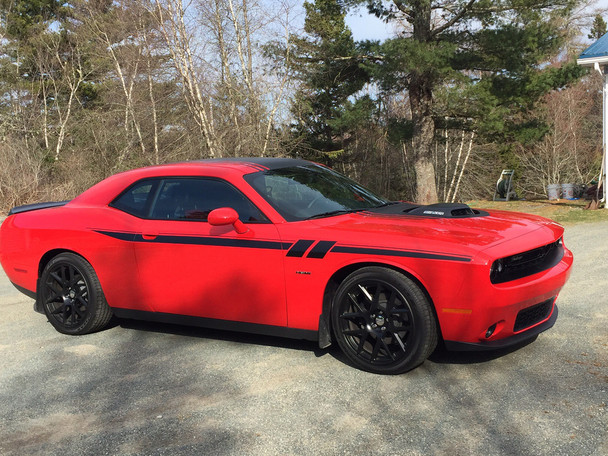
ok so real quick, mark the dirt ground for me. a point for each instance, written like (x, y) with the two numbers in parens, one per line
(145, 389)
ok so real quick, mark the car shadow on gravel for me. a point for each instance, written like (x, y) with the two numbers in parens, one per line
(239, 337)
(442, 356)
(225, 335)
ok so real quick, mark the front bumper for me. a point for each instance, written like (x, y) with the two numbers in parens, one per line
(487, 315)
(507, 341)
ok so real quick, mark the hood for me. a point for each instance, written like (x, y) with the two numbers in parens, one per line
(466, 235)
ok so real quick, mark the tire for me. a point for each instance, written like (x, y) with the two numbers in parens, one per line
(72, 297)
(382, 321)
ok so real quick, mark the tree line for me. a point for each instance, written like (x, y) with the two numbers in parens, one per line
(461, 90)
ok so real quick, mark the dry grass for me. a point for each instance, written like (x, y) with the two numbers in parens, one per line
(562, 211)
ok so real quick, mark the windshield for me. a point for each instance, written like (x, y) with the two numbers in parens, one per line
(309, 191)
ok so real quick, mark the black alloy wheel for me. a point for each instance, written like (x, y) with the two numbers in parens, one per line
(383, 322)
(72, 297)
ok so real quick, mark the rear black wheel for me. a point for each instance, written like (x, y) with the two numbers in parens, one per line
(72, 297)
(383, 322)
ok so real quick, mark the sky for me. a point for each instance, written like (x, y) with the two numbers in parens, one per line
(365, 26)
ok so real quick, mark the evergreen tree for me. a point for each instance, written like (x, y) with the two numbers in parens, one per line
(598, 29)
(22, 24)
(494, 51)
(327, 62)
(19, 17)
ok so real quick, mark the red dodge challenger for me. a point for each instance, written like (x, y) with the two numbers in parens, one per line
(288, 248)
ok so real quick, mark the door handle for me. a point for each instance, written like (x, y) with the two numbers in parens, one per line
(149, 236)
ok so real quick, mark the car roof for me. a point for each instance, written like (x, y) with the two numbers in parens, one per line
(242, 165)
(107, 189)
(259, 163)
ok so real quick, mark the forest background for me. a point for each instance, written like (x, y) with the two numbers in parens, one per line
(460, 90)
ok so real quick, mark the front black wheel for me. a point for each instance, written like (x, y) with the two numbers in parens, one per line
(72, 297)
(383, 322)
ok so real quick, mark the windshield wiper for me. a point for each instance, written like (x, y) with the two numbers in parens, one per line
(388, 203)
(330, 213)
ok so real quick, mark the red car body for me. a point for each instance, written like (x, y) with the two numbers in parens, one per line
(279, 276)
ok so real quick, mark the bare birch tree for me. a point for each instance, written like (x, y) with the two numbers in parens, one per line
(233, 93)
(570, 151)
(457, 147)
(171, 17)
(65, 73)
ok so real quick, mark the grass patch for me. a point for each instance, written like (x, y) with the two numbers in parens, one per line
(562, 211)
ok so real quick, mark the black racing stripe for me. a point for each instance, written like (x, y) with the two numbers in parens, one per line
(254, 166)
(118, 235)
(295, 250)
(398, 253)
(200, 240)
(299, 248)
(319, 250)
(213, 241)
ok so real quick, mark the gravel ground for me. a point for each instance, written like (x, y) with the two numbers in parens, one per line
(150, 389)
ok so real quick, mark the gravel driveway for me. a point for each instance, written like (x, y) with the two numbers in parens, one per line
(151, 389)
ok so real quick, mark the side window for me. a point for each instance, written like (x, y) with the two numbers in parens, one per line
(193, 199)
(136, 200)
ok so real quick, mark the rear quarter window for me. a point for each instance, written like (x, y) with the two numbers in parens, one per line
(137, 198)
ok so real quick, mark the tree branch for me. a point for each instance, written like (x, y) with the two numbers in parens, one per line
(454, 19)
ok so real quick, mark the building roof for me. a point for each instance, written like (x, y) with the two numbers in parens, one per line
(596, 53)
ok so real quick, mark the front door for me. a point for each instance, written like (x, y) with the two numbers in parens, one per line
(188, 267)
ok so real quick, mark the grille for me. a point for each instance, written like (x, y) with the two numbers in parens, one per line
(527, 263)
(532, 315)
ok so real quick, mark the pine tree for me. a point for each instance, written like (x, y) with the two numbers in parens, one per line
(328, 64)
(598, 29)
(22, 24)
(19, 17)
(494, 51)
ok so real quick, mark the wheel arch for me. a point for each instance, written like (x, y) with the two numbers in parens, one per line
(325, 327)
(75, 303)
(48, 256)
(44, 260)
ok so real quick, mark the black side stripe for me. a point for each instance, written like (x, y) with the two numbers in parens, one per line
(398, 253)
(118, 235)
(319, 250)
(222, 242)
(200, 240)
(299, 248)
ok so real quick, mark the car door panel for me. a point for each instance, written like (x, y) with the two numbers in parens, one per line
(189, 267)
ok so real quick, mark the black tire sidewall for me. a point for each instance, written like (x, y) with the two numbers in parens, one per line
(92, 284)
(424, 337)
